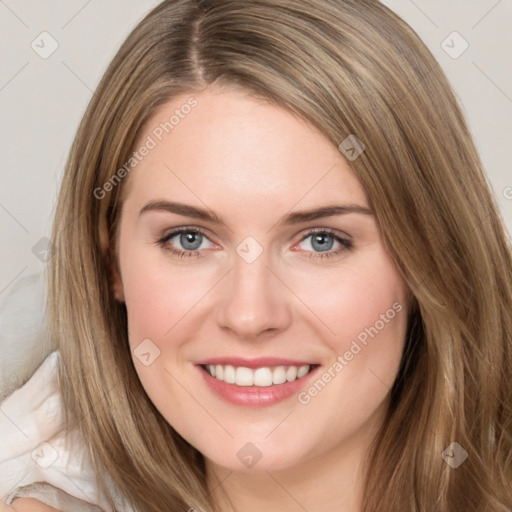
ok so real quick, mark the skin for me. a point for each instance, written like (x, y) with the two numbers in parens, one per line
(251, 163)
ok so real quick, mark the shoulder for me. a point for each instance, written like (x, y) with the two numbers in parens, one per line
(26, 505)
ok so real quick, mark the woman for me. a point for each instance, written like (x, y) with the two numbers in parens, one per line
(340, 337)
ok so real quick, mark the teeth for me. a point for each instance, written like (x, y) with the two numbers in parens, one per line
(229, 374)
(279, 375)
(263, 377)
(303, 370)
(291, 373)
(244, 377)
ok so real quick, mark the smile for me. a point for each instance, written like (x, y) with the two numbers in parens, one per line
(257, 382)
(263, 377)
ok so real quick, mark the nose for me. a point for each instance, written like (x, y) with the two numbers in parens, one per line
(254, 301)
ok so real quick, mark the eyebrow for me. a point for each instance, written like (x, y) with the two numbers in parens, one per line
(292, 218)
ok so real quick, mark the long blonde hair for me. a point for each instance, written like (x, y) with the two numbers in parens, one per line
(347, 67)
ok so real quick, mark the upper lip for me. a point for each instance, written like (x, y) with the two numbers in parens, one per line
(256, 362)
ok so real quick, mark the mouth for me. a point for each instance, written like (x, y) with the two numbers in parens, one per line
(256, 382)
(265, 376)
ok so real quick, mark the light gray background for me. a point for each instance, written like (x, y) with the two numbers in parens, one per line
(42, 100)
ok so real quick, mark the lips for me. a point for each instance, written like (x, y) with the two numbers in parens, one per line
(256, 362)
(255, 381)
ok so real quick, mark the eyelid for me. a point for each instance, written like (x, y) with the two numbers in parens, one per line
(329, 231)
(181, 229)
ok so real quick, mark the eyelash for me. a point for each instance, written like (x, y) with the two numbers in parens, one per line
(345, 243)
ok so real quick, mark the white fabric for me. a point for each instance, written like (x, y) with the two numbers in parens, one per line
(49, 495)
(24, 339)
(34, 447)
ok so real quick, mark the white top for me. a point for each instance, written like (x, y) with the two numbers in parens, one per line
(35, 448)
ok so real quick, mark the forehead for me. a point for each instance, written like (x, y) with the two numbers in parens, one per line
(228, 148)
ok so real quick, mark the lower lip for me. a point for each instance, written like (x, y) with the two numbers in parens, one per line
(255, 396)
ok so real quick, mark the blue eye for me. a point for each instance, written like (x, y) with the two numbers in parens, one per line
(189, 240)
(192, 239)
(322, 240)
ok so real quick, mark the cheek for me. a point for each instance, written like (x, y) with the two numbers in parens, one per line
(361, 311)
(158, 295)
(365, 310)
(360, 316)
(160, 301)
(356, 300)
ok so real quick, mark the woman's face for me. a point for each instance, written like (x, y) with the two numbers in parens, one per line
(260, 282)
